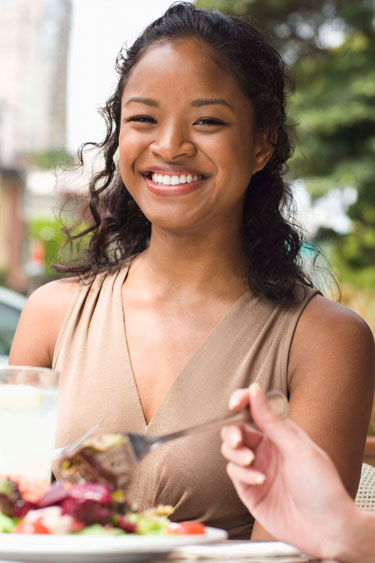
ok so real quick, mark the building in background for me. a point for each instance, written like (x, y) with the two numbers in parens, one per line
(34, 43)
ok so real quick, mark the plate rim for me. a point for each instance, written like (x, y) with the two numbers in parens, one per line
(34, 544)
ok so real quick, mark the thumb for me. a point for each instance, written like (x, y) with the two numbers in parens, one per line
(273, 427)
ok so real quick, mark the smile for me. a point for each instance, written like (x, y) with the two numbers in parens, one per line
(174, 179)
(173, 184)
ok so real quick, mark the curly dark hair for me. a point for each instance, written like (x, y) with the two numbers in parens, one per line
(118, 228)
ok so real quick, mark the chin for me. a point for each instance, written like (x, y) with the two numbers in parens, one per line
(172, 219)
(172, 225)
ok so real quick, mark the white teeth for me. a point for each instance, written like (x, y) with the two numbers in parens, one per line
(167, 180)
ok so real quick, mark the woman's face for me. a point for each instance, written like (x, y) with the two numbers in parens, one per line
(187, 144)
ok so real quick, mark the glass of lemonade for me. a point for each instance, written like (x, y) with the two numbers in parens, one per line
(28, 407)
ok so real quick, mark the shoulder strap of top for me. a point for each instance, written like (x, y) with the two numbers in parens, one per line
(84, 292)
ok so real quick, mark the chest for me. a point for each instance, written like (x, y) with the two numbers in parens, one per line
(181, 371)
(161, 341)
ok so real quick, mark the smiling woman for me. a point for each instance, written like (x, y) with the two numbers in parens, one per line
(261, 83)
(192, 285)
(187, 131)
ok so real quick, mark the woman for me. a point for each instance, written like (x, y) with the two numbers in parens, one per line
(191, 286)
(293, 488)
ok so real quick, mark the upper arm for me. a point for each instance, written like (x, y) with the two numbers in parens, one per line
(331, 382)
(39, 324)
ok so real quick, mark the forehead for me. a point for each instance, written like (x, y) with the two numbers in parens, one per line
(184, 67)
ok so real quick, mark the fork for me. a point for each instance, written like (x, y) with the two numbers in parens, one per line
(139, 445)
(61, 452)
(132, 448)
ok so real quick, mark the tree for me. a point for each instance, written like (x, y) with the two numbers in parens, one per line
(296, 27)
(334, 106)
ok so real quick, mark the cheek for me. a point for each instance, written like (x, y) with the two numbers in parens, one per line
(236, 155)
(243, 152)
(122, 163)
(235, 165)
(127, 154)
(132, 147)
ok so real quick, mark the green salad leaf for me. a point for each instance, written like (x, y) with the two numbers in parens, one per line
(7, 524)
(149, 523)
(99, 530)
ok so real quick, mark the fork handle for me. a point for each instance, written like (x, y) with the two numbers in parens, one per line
(276, 401)
(238, 418)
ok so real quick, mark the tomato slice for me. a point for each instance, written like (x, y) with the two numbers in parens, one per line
(36, 527)
(188, 527)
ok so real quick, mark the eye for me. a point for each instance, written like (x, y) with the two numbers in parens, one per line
(209, 121)
(140, 119)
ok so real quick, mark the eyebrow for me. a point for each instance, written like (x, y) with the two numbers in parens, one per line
(210, 102)
(147, 101)
(199, 102)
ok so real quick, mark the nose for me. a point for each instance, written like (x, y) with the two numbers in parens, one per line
(172, 142)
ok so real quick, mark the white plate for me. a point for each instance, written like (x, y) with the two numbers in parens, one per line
(91, 549)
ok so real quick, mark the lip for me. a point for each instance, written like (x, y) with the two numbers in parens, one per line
(171, 170)
(180, 189)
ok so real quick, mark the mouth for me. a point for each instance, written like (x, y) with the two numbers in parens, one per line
(172, 182)
(170, 179)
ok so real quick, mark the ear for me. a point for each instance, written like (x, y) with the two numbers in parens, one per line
(264, 146)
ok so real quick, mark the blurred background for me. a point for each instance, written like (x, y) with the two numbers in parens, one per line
(57, 67)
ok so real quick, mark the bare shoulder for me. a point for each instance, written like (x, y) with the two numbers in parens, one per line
(56, 295)
(320, 307)
(330, 333)
(50, 302)
(40, 323)
(325, 322)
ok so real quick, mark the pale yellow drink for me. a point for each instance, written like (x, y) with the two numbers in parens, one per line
(28, 406)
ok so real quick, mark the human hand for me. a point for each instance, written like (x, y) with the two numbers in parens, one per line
(285, 480)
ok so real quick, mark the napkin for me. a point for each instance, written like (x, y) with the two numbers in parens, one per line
(236, 550)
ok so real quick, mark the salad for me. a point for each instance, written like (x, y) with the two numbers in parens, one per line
(85, 507)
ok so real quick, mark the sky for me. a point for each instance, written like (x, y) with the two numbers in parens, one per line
(99, 29)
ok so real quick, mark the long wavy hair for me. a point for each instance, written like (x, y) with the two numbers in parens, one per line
(118, 229)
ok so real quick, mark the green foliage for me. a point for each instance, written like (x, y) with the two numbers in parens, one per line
(51, 159)
(48, 231)
(52, 235)
(3, 278)
(295, 26)
(371, 431)
(334, 108)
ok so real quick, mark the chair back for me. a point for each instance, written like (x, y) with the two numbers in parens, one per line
(365, 497)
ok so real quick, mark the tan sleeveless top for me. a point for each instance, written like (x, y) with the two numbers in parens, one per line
(251, 343)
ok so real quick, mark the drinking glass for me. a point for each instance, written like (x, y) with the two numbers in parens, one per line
(28, 407)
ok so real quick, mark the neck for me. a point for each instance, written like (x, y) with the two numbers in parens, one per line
(179, 263)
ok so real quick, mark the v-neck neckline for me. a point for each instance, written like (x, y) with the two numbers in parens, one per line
(236, 305)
